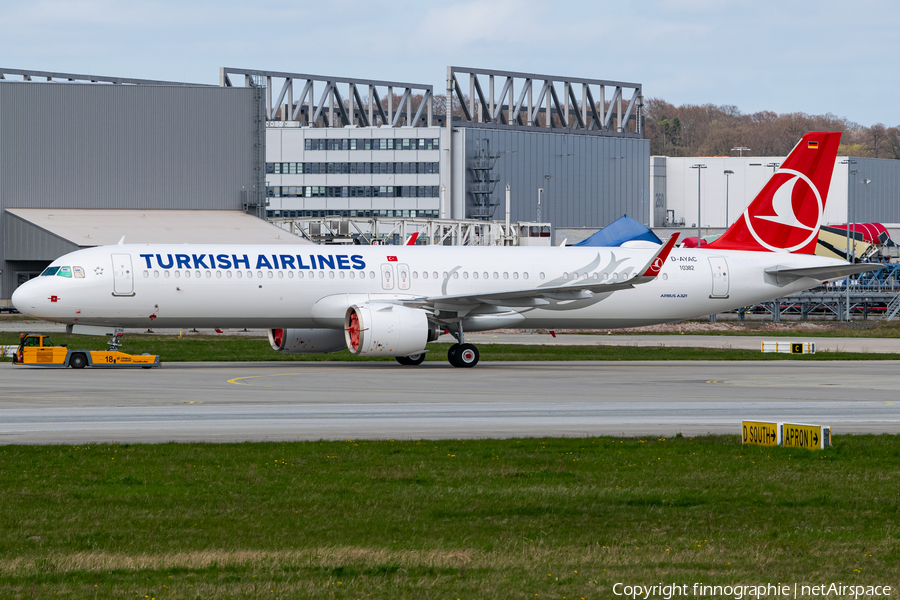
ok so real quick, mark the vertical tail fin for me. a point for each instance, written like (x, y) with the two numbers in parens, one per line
(786, 215)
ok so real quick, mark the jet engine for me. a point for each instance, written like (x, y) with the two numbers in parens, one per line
(381, 329)
(306, 341)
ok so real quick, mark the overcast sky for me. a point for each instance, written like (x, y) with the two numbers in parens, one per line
(786, 56)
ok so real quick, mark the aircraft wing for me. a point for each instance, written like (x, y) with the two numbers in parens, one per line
(540, 295)
(823, 273)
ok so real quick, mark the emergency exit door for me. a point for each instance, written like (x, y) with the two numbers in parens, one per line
(123, 275)
(387, 276)
(719, 269)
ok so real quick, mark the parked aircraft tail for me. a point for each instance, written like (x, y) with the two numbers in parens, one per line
(786, 215)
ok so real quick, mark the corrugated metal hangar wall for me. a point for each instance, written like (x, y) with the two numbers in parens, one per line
(593, 180)
(70, 145)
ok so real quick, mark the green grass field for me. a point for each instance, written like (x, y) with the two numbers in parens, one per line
(518, 518)
(873, 328)
(239, 348)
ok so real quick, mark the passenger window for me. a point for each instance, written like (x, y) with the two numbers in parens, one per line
(505, 275)
(465, 274)
(177, 273)
(496, 275)
(525, 275)
(187, 274)
(64, 272)
(146, 274)
(424, 274)
(542, 275)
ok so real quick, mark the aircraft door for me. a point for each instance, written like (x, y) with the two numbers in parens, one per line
(719, 269)
(123, 275)
(403, 276)
(387, 276)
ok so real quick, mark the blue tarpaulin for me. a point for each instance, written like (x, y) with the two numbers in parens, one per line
(623, 229)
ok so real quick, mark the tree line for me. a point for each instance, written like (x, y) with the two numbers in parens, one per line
(710, 130)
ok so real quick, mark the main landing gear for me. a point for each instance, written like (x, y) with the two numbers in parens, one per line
(411, 360)
(462, 354)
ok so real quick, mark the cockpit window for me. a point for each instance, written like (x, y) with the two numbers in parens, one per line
(79, 272)
(49, 271)
(64, 272)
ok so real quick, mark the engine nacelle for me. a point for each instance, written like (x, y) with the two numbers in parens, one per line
(307, 341)
(376, 329)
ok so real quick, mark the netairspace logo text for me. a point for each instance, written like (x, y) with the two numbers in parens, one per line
(739, 592)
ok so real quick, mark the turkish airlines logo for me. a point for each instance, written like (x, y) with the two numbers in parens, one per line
(786, 230)
(657, 264)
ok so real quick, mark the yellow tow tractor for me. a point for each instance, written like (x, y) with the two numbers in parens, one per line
(36, 349)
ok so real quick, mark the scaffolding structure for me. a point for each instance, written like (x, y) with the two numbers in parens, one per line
(482, 187)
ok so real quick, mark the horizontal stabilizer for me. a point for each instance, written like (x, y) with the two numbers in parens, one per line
(823, 273)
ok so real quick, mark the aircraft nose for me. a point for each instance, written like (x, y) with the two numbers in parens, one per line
(23, 298)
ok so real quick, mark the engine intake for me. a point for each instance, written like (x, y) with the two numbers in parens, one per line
(374, 329)
(306, 341)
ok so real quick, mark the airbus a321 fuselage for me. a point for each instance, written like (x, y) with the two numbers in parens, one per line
(393, 300)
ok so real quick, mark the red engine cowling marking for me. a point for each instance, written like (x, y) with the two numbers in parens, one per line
(354, 331)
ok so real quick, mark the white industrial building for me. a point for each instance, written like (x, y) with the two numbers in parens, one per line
(867, 186)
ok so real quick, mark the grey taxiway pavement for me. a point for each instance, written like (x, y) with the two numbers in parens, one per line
(303, 401)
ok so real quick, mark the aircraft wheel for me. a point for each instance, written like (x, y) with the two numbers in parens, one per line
(412, 359)
(451, 354)
(466, 356)
(78, 361)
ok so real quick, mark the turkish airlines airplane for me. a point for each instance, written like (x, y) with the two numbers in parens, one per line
(393, 300)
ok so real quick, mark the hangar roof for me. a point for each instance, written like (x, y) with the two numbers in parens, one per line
(46, 234)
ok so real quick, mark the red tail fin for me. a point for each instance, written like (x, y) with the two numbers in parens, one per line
(786, 215)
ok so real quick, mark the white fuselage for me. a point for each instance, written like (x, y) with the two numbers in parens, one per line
(228, 286)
